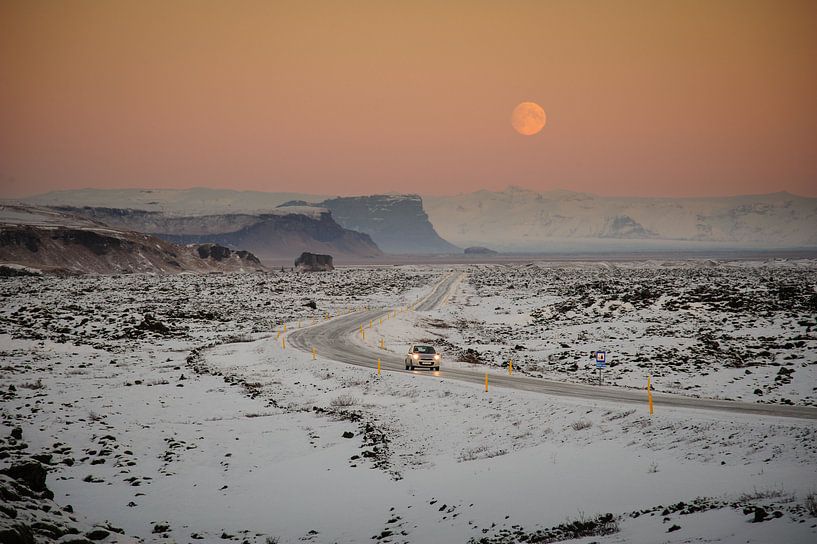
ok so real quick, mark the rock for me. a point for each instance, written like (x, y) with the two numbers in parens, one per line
(674, 528)
(213, 251)
(471, 356)
(17, 433)
(31, 473)
(97, 534)
(16, 534)
(348, 434)
(311, 304)
(760, 515)
(44, 458)
(8, 510)
(311, 262)
(150, 323)
(161, 528)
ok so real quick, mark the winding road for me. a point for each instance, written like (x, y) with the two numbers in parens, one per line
(333, 339)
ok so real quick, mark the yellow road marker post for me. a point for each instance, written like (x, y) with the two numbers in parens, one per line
(283, 342)
(378, 366)
(370, 323)
(362, 332)
(649, 393)
(277, 335)
(486, 382)
(314, 353)
(382, 344)
(285, 327)
(510, 367)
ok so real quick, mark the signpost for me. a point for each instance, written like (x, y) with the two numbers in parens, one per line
(601, 361)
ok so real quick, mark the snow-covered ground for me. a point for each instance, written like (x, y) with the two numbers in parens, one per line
(734, 330)
(173, 409)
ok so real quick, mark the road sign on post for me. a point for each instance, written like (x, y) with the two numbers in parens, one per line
(601, 361)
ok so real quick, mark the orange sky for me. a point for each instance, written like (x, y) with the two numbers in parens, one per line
(651, 98)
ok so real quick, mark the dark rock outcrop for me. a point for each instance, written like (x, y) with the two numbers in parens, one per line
(479, 250)
(220, 253)
(31, 473)
(310, 262)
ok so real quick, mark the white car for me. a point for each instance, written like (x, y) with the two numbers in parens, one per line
(422, 357)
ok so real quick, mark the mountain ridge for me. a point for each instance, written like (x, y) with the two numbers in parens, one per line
(46, 240)
(520, 219)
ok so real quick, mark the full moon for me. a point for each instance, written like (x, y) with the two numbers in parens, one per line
(528, 118)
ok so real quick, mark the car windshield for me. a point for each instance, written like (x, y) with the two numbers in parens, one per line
(423, 349)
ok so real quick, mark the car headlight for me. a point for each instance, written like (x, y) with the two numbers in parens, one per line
(437, 357)
(415, 356)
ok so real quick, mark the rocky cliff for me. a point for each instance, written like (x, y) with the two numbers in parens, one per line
(282, 233)
(50, 241)
(397, 223)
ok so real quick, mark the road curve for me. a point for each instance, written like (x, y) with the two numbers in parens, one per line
(333, 340)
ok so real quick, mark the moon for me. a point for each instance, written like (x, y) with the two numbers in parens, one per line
(528, 118)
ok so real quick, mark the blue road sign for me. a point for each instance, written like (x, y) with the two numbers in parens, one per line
(601, 359)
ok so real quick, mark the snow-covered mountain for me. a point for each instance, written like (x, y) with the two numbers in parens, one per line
(196, 201)
(523, 220)
(47, 240)
(511, 220)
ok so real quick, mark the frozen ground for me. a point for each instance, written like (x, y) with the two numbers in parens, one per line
(197, 424)
(742, 331)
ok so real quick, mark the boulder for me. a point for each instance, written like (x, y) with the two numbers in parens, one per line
(31, 473)
(213, 251)
(311, 262)
(16, 534)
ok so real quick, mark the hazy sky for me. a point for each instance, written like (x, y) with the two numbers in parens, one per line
(650, 98)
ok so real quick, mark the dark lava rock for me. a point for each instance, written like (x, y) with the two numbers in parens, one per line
(674, 528)
(311, 262)
(760, 515)
(150, 323)
(471, 356)
(31, 473)
(213, 251)
(17, 433)
(97, 534)
(16, 534)
(348, 434)
(311, 304)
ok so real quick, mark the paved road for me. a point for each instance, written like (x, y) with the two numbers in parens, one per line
(333, 339)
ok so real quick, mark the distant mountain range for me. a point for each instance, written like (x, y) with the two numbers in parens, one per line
(274, 234)
(522, 220)
(46, 240)
(513, 220)
(272, 225)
